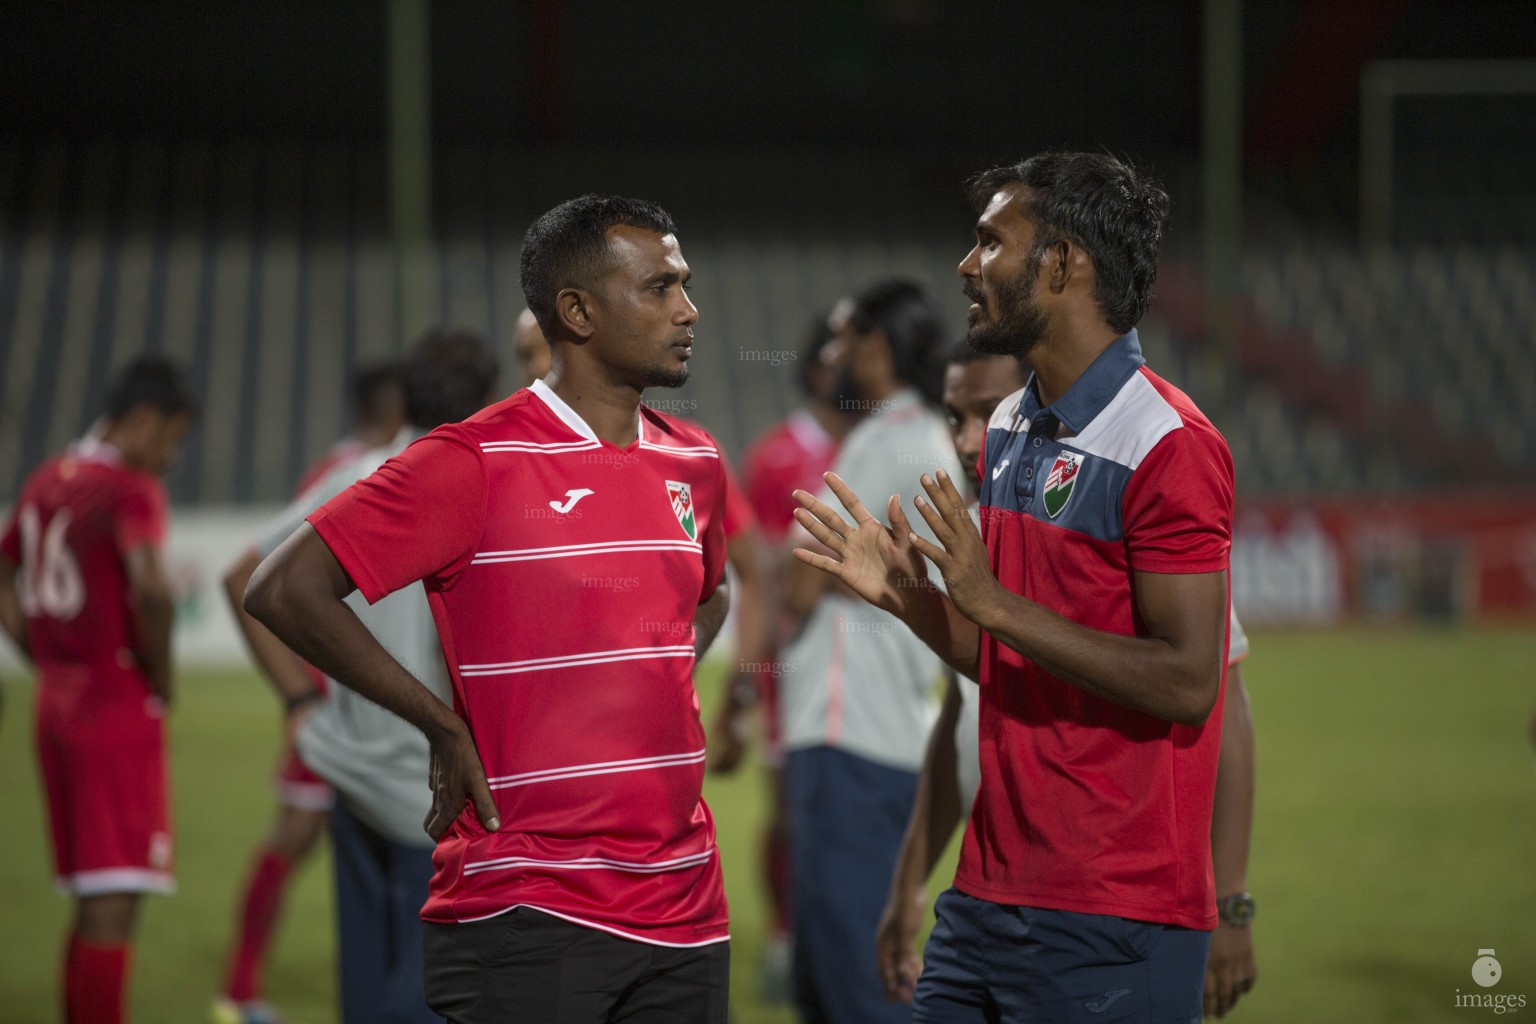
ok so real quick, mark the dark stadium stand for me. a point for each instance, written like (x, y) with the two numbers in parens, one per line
(267, 268)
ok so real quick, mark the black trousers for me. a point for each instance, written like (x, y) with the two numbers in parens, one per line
(526, 967)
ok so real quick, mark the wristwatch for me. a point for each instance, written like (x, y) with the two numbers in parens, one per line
(1236, 910)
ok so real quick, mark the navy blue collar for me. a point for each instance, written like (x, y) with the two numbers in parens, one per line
(1092, 391)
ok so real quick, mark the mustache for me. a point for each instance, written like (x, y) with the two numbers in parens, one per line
(973, 292)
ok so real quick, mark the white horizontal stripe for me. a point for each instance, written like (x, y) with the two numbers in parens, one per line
(599, 768)
(572, 660)
(572, 550)
(97, 883)
(636, 936)
(529, 446)
(591, 864)
(699, 452)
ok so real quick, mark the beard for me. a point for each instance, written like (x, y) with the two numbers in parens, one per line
(1019, 324)
(664, 377)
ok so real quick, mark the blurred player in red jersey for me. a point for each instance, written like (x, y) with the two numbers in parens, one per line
(303, 797)
(83, 593)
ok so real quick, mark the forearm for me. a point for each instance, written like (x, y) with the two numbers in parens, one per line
(1145, 673)
(1232, 815)
(709, 617)
(936, 622)
(281, 666)
(936, 809)
(298, 595)
(156, 611)
(750, 596)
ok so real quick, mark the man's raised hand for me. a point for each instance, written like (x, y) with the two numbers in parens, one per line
(876, 562)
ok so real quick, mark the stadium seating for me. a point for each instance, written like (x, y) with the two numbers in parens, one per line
(267, 267)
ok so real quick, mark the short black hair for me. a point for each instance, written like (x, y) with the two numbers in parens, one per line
(908, 314)
(156, 381)
(448, 376)
(567, 247)
(371, 387)
(1113, 211)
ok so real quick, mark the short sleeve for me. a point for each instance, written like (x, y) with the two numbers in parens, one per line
(714, 537)
(1178, 505)
(140, 517)
(738, 510)
(419, 516)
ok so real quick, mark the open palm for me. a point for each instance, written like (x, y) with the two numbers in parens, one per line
(873, 560)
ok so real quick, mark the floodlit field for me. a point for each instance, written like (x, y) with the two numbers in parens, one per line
(1396, 837)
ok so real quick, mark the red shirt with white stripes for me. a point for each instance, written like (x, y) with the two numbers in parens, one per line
(564, 574)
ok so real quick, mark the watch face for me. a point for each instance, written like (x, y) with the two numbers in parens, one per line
(1237, 910)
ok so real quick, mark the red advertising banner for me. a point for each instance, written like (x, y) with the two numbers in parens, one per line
(1458, 557)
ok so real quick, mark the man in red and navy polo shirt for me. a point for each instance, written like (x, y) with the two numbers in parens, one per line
(1091, 604)
(570, 541)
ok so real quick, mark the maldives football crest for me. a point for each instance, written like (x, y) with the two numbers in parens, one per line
(682, 507)
(1060, 482)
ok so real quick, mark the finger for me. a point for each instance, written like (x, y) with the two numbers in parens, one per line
(822, 512)
(485, 803)
(850, 500)
(951, 492)
(817, 560)
(935, 520)
(935, 554)
(948, 511)
(827, 535)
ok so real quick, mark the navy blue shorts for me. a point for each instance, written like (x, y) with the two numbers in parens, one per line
(987, 962)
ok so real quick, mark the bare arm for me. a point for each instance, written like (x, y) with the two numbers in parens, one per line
(155, 609)
(1230, 970)
(751, 598)
(731, 728)
(281, 666)
(710, 616)
(1172, 672)
(298, 593)
(12, 619)
(936, 811)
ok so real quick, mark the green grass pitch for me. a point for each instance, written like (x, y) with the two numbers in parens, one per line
(1396, 836)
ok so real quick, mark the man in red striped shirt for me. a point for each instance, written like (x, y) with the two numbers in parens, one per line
(570, 540)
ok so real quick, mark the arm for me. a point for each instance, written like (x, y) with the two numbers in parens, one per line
(12, 619)
(710, 616)
(1230, 970)
(730, 730)
(155, 611)
(936, 811)
(298, 593)
(1172, 671)
(280, 665)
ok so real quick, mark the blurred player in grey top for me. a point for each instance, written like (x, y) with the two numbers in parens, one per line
(858, 688)
(377, 762)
